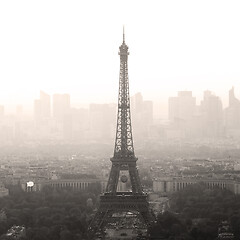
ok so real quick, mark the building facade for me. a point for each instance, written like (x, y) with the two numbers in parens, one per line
(75, 184)
(170, 185)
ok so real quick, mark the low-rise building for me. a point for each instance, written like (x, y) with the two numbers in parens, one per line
(174, 184)
(75, 184)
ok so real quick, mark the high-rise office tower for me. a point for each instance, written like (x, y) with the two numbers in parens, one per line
(142, 114)
(42, 107)
(232, 115)
(212, 115)
(137, 103)
(61, 106)
(45, 104)
(101, 121)
(233, 101)
(147, 113)
(181, 113)
(80, 124)
(182, 108)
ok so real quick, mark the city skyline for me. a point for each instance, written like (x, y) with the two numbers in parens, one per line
(186, 119)
(70, 127)
(159, 110)
(188, 45)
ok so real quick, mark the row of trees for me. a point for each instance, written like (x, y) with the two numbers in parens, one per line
(196, 212)
(51, 214)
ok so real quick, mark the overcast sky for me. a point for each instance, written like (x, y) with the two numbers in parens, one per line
(72, 47)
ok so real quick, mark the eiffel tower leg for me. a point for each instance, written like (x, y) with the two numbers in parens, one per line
(113, 179)
(98, 223)
(135, 181)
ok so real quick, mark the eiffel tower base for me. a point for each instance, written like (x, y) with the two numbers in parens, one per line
(121, 202)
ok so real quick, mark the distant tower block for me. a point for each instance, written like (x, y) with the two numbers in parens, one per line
(123, 161)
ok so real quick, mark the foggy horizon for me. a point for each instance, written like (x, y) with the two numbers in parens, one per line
(160, 108)
(86, 85)
(73, 48)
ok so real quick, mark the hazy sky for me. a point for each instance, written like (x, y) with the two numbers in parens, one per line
(72, 47)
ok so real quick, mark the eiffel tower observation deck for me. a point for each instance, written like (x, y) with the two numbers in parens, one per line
(124, 168)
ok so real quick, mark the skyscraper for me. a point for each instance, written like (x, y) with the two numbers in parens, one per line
(232, 115)
(42, 107)
(142, 114)
(61, 106)
(181, 113)
(212, 115)
(45, 104)
(182, 108)
(80, 124)
(102, 121)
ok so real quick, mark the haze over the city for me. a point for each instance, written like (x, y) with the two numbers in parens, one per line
(78, 161)
(72, 47)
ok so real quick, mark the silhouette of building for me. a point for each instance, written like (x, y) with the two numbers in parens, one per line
(182, 107)
(181, 113)
(42, 116)
(42, 107)
(102, 121)
(61, 106)
(232, 115)
(212, 115)
(80, 124)
(142, 115)
(45, 104)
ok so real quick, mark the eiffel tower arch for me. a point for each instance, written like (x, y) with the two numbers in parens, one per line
(124, 168)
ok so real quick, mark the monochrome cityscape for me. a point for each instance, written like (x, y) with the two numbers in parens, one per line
(62, 147)
(54, 118)
(91, 149)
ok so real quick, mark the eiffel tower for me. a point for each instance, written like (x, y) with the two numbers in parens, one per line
(123, 160)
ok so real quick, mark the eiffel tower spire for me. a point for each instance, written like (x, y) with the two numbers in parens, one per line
(124, 141)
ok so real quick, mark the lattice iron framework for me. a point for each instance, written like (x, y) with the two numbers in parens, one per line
(124, 141)
(123, 160)
(124, 157)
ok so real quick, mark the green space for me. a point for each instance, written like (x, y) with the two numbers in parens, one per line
(195, 214)
(52, 214)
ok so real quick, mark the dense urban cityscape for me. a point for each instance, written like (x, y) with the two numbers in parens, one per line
(62, 147)
(56, 120)
(113, 170)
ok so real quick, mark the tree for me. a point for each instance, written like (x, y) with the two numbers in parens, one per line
(66, 235)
